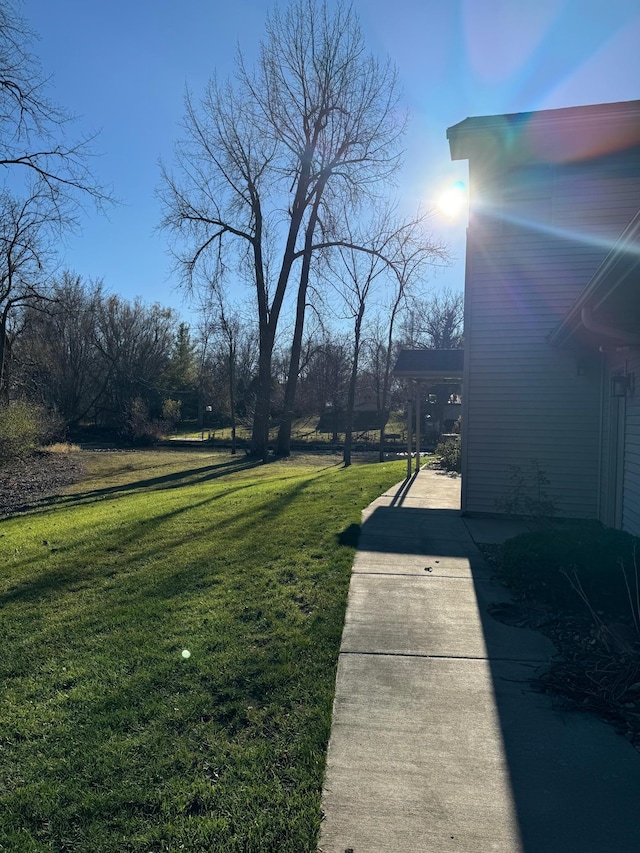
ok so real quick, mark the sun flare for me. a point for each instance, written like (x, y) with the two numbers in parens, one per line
(453, 200)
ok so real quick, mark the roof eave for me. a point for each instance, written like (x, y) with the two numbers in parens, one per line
(471, 137)
(620, 263)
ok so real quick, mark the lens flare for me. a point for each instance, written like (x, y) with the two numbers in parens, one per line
(453, 200)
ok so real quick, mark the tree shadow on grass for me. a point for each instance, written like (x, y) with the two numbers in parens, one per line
(124, 541)
(188, 477)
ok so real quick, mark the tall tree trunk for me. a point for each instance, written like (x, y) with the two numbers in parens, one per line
(386, 378)
(268, 317)
(283, 447)
(260, 432)
(4, 358)
(351, 394)
(232, 395)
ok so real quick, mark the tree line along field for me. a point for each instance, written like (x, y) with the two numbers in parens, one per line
(92, 363)
(304, 275)
(110, 737)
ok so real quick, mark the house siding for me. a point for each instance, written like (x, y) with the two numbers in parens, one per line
(604, 443)
(631, 489)
(620, 361)
(526, 400)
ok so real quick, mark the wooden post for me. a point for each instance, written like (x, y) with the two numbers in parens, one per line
(418, 436)
(409, 429)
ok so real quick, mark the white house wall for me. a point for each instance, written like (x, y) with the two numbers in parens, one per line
(605, 426)
(550, 194)
(631, 492)
(527, 401)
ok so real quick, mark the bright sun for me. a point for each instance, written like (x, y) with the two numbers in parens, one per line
(453, 199)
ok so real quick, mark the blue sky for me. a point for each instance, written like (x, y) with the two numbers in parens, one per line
(121, 66)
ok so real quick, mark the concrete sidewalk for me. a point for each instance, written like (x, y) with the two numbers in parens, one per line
(437, 742)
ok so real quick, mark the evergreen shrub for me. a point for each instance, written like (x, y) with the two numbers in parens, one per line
(449, 455)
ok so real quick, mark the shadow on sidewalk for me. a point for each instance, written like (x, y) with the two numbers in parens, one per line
(575, 782)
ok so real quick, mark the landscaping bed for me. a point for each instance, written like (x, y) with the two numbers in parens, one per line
(579, 586)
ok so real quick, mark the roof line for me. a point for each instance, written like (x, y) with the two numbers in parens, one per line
(582, 112)
(603, 282)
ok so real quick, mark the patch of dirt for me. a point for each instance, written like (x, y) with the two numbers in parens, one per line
(25, 483)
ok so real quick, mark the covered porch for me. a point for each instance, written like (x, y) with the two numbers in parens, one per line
(421, 369)
(603, 328)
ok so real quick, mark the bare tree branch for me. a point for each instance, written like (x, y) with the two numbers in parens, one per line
(265, 159)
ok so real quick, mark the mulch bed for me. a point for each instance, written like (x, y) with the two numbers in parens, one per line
(25, 483)
(595, 670)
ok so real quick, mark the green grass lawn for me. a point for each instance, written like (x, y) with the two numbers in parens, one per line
(302, 430)
(110, 738)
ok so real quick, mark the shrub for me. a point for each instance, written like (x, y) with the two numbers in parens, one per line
(21, 428)
(449, 454)
(171, 414)
(527, 496)
(140, 429)
(51, 426)
(548, 565)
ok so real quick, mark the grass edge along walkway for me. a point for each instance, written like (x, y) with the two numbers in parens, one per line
(112, 739)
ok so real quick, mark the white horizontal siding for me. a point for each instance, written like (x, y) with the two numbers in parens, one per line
(605, 461)
(631, 488)
(527, 402)
(598, 198)
(526, 266)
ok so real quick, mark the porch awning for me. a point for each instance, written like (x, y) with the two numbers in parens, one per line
(430, 365)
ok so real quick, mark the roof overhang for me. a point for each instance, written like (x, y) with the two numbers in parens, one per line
(607, 312)
(548, 136)
(430, 365)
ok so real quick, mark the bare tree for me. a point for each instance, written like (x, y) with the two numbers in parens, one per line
(265, 159)
(411, 258)
(135, 342)
(403, 246)
(25, 252)
(434, 322)
(227, 324)
(46, 179)
(352, 274)
(328, 377)
(228, 352)
(56, 355)
(33, 129)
